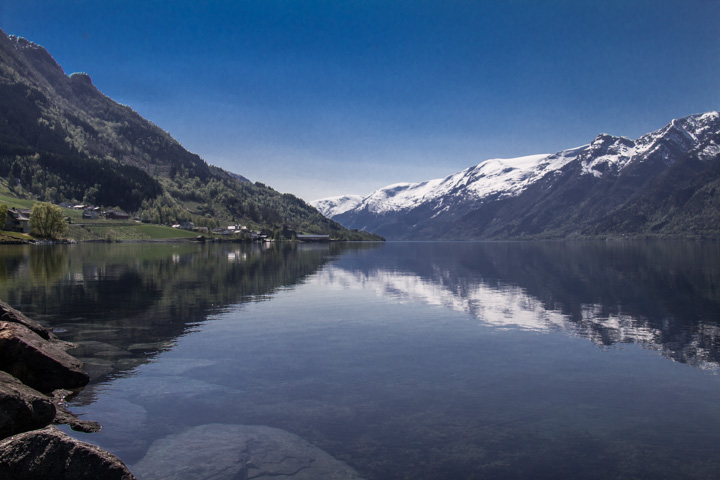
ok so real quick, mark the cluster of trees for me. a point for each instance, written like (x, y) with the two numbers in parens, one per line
(76, 178)
(22, 122)
(163, 210)
(222, 198)
(209, 201)
(212, 201)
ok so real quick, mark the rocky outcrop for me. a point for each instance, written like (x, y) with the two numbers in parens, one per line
(37, 362)
(21, 407)
(9, 314)
(49, 453)
(63, 416)
(35, 375)
(34, 355)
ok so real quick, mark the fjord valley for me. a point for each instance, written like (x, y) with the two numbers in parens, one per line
(533, 316)
(62, 140)
(664, 184)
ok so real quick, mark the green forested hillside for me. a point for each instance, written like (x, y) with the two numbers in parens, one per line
(61, 139)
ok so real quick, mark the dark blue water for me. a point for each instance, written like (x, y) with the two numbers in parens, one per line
(402, 360)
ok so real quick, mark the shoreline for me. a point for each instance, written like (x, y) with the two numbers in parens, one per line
(36, 376)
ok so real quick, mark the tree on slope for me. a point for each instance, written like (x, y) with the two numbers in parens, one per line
(47, 220)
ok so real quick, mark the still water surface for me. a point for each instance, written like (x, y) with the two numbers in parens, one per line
(403, 360)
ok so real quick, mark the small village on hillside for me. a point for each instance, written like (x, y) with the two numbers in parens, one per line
(17, 227)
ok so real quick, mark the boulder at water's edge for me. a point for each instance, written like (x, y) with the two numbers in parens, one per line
(37, 362)
(21, 407)
(49, 453)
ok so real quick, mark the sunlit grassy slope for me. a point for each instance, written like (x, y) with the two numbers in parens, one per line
(107, 230)
(83, 230)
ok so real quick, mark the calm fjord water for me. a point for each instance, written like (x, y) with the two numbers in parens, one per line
(404, 360)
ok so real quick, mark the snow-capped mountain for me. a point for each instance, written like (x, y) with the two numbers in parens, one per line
(495, 177)
(542, 195)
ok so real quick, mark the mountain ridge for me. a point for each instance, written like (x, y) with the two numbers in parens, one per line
(62, 139)
(578, 192)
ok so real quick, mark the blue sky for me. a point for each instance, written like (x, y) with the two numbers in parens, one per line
(322, 98)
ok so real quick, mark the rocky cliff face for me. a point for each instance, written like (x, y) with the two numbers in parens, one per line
(663, 183)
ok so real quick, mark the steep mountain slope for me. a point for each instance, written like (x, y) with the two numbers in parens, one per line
(47, 110)
(663, 183)
(61, 139)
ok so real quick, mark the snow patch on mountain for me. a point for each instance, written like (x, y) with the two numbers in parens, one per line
(332, 206)
(494, 177)
(710, 151)
(607, 153)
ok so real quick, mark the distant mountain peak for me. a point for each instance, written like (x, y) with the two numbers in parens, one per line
(81, 77)
(605, 141)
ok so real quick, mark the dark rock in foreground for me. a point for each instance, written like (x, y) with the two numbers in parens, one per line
(21, 407)
(237, 452)
(50, 454)
(33, 360)
(37, 362)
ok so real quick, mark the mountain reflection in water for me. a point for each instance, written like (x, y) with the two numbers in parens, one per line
(404, 360)
(124, 303)
(664, 296)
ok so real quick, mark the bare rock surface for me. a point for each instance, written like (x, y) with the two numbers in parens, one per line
(21, 407)
(37, 362)
(239, 452)
(49, 453)
(9, 314)
(63, 416)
